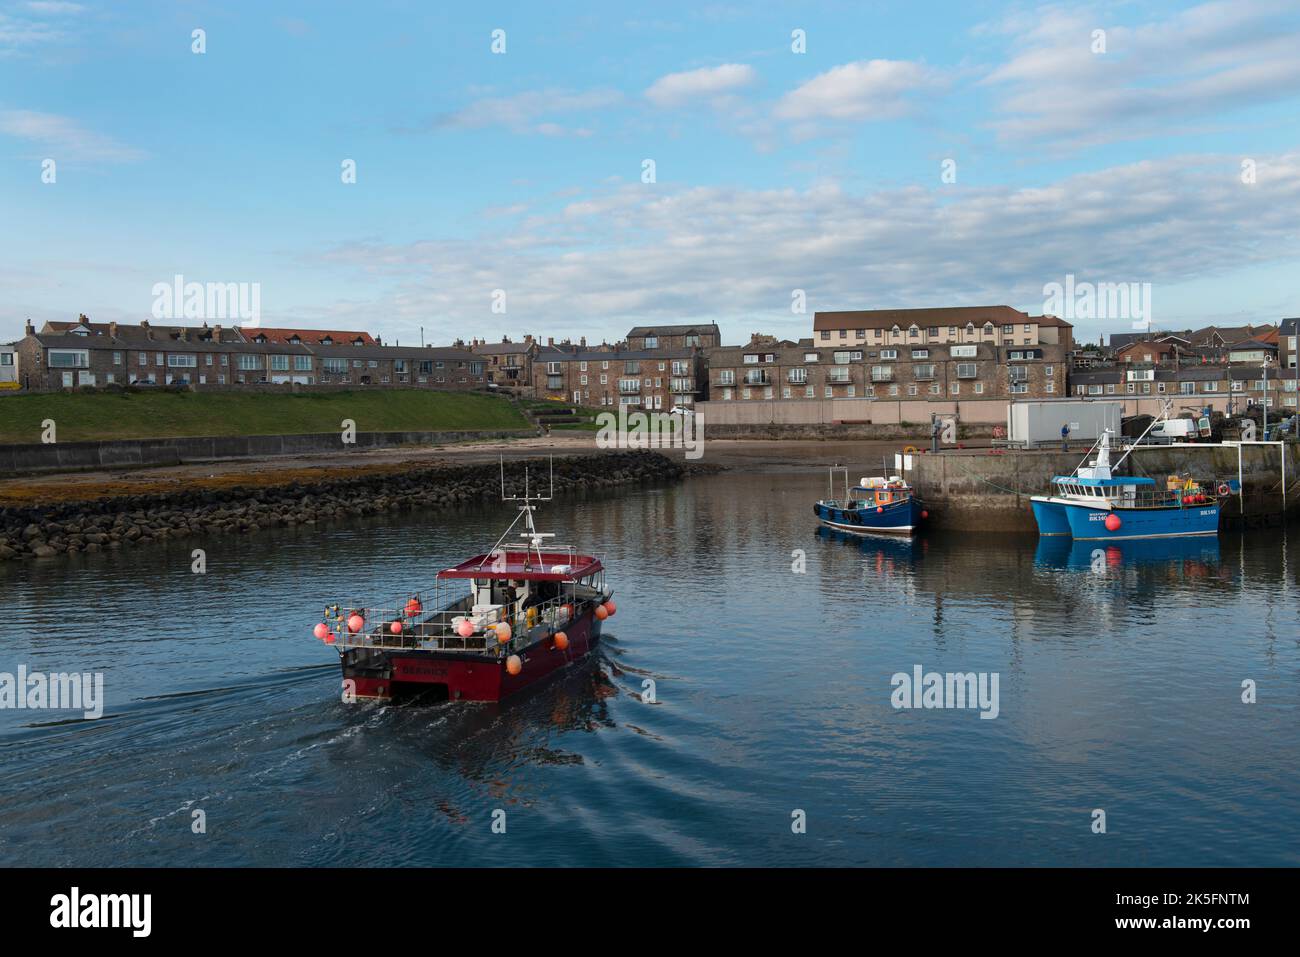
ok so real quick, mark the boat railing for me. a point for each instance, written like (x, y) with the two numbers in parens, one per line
(429, 621)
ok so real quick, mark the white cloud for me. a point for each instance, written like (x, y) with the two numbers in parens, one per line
(64, 139)
(53, 7)
(524, 112)
(627, 254)
(708, 83)
(865, 90)
(1198, 63)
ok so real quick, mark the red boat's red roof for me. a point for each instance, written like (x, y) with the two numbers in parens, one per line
(554, 566)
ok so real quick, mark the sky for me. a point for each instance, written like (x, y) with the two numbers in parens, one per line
(574, 169)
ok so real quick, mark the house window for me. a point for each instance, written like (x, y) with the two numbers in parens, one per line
(69, 359)
(144, 358)
(303, 364)
(117, 358)
(963, 352)
(250, 362)
(280, 363)
(920, 353)
(967, 370)
(979, 388)
(726, 377)
(652, 342)
(888, 353)
(553, 368)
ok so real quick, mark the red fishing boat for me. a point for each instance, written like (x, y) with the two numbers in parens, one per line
(487, 628)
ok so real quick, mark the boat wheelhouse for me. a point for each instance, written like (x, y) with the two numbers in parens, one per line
(1093, 504)
(488, 627)
(876, 505)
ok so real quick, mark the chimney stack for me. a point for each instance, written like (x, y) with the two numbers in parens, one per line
(29, 329)
(216, 333)
(550, 340)
(112, 330)
(144, 324)
(583, 340)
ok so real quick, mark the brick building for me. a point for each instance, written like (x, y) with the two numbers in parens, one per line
(65, 356)
(651, 379)
(700, 336)
(765, 369)
(507, 363)
(960, 325)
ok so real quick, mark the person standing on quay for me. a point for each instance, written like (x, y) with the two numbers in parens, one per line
(1065, 437)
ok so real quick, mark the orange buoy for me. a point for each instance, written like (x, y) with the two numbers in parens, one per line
(356, 623)
(321, 630)
(465, 628)
(879, 509)
(611, 608)
(503, 632)
(1113, 522)
(601, 613)
(395, 627)
(514, 665)
(413, 607)
(561, 640)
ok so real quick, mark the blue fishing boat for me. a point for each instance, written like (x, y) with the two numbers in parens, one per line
(1094, 504)
(877, 505)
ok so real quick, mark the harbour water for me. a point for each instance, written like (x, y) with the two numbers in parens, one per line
(769, 648)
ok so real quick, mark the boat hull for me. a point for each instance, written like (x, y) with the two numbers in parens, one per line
(1089, 524)
(380, 673)
(1050, 516)
(900, 518)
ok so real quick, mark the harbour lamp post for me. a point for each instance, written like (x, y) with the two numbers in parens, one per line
(1265, 369)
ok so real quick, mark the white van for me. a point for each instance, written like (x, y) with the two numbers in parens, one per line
(1173, 430)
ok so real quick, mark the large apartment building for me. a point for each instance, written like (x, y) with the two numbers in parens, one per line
(767, 369)
(1000, 326)
(72, 355)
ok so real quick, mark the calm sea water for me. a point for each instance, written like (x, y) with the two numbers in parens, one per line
(1119, 676)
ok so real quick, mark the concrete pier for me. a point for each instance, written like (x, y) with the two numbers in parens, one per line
(979, 490)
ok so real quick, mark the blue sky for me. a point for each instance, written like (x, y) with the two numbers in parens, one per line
(522, 170)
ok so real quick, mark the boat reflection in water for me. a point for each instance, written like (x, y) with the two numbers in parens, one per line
(891, 552)
(1194, 555)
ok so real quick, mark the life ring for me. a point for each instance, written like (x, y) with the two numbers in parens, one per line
(1223, 488)
(909, 449)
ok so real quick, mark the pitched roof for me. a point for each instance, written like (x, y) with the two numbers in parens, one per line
(281, 334)
(641, 331)
(942, 316)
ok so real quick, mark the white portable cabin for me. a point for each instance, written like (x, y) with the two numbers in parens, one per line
(1039, 422)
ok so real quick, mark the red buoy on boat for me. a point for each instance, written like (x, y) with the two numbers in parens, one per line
(514, 665)
(561, 640)
(465, 628)
(611, 608)
(924, 513)
(601, 613)
(321, 630)
(1113, 522)
(395, 627)
(356, 623)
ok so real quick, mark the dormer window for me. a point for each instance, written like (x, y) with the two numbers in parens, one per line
(295, 339)
(259, 338)
(358, 341)
(327, 341)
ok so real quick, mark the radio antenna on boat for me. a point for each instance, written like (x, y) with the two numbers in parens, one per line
(535, 538)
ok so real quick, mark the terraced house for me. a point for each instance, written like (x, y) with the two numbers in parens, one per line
(73, 355)
(650, 379)
(507, 363)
